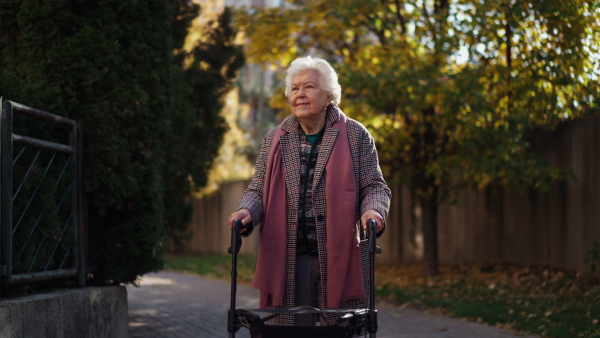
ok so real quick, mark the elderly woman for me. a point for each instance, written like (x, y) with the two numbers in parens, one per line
(317, 181)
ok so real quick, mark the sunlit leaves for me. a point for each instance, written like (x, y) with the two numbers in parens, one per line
(448, 92)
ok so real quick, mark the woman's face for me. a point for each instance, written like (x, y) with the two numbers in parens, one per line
(307, 99)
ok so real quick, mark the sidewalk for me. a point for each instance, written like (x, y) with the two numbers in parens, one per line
(175, 305)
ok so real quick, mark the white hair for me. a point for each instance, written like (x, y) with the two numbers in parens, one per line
(328, 79)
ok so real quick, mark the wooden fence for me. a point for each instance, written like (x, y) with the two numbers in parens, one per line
(556, 228)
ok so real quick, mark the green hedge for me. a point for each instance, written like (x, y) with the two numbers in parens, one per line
(197, 127)
(110, 65)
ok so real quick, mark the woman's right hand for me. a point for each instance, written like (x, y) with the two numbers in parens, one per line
(243, 215)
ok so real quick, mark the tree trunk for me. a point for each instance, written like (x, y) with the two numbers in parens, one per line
(428, 197)
(429, 208)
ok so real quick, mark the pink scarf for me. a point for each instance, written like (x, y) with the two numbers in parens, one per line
(344, 274)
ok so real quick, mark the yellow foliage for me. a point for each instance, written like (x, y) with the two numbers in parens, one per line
(484, 180)
(397, 64)
(230, 164)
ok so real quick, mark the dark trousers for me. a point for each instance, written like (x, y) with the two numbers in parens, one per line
(308, 288)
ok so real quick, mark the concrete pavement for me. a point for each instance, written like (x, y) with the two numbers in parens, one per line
(177, 305)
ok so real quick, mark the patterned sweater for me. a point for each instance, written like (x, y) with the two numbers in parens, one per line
(306, 240)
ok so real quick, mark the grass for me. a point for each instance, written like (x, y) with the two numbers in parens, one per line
(541, 301)
(213, 266)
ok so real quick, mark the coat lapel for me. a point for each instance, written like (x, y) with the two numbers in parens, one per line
(327, 142)
(290, 152)
(324, 152)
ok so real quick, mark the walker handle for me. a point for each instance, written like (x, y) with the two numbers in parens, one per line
(236, 242)
(372, 318)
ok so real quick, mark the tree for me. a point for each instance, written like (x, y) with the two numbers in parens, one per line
(450, 89)
(203, 76)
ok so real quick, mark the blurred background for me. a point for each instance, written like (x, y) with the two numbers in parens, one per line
(485, 116)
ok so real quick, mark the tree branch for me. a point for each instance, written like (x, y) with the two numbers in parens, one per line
(400, 17)
(378, 32)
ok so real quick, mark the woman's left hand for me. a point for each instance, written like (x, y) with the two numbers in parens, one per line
(372, 214)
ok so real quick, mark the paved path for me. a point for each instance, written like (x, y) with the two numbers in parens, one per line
(173, 305)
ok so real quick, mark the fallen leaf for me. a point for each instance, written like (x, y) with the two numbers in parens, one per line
(509, 326)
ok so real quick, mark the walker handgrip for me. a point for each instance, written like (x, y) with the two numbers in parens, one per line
(372, 229)
(236, 238)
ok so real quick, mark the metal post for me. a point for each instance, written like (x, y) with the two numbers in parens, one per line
(2, 266)
(81, 220)
(75, 203)
(6, 194)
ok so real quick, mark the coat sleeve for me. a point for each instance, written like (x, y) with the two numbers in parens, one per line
(374, 192)
(252, 199)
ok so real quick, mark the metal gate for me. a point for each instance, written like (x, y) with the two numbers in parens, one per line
(42, 228)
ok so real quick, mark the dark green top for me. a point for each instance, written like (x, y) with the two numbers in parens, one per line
(314, 137)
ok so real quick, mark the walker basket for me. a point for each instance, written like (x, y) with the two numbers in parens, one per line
(350, 323)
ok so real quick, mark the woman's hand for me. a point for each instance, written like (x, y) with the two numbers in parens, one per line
(243, 215)
(372, 214)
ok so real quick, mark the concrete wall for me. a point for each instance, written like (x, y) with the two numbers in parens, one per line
(92, 312)
(529, 227)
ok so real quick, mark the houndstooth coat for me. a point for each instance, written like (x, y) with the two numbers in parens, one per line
(372, 192)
